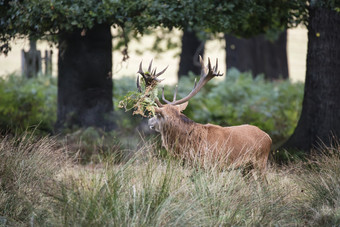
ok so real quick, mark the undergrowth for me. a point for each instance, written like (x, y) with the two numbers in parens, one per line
(27, 103)
(237, 99)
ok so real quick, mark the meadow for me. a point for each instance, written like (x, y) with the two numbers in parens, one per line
(88, 177)
(43, 185)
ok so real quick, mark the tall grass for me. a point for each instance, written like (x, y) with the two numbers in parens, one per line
(151, 191)
(28, 167)
(319, 180)
(157, 192)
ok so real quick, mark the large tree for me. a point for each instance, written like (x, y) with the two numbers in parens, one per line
(85, 78)
(319, 123)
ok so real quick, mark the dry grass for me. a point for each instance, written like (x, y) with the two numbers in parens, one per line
(151, 191)
(27, 176)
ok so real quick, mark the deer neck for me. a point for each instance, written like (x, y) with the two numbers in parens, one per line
(180, 132)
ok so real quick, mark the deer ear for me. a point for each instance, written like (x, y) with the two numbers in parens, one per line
(182, 106)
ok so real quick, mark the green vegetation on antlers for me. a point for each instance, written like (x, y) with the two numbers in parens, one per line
(143, 103)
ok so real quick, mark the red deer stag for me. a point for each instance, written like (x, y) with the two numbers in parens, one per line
(236, 145)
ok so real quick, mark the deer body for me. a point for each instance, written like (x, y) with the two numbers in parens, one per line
(236, 145)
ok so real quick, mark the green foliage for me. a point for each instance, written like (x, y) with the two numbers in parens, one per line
(239, 99)
(31, 104)
(28, 102)
(141, 102)
(45, 18)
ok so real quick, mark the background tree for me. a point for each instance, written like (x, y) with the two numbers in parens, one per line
(191, 48)
(259, 55)
(82, 31)
(85, 79)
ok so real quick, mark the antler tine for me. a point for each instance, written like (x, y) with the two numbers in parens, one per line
(175, 94)
(159, 80)
(151, 75)
(138, 85)
(154, 72)
(217, 66)
(151, 80)
(195, 84)
(168, 102)
(207, 73)
(202, 66)
(159, 104)
(140, 71)
(209, 65)
(150, 65)
(161, 72)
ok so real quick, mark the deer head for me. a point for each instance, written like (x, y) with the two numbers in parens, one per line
(171, 109)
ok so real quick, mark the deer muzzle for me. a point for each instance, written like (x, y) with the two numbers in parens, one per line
(153, 124)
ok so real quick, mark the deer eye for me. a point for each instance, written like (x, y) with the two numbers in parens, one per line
(159, 115)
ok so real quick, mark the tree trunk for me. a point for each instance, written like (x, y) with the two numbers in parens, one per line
(258, 55)
(191, 48)
(319, 123)
(85, 79)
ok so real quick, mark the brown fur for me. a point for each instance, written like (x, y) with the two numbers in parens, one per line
(237, 145)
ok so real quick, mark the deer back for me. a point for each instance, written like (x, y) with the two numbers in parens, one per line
(186, 138)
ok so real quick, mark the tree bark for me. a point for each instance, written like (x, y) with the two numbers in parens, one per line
(319, 124)
(191, 48)
(258, 55)
(85, 79)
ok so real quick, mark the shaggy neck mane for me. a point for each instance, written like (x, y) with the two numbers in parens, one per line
(179, 132)
(178, 123)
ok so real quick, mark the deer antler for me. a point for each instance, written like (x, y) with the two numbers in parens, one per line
(150, 77)
(207, 73)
